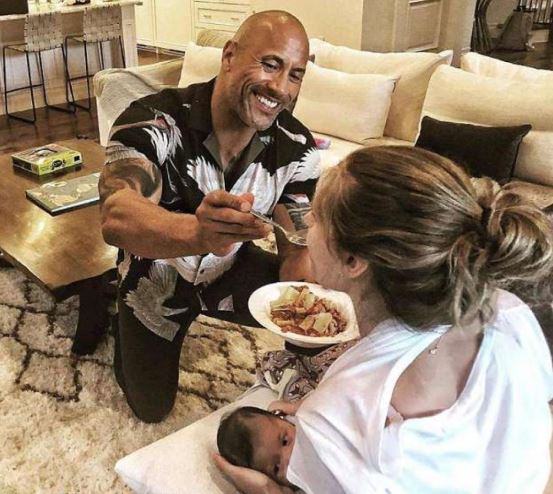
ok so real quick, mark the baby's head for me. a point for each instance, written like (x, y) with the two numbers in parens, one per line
(255, 438)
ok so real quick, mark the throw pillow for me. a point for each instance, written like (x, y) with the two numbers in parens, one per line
(483, 151)
(492, 67)
(458, 96)
(181, 462)
(201, 64)
(350, 106)
(414, 70)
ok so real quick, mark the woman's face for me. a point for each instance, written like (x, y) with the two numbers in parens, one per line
(326, 265)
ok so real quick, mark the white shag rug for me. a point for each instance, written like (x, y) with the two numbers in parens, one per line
(63, 420)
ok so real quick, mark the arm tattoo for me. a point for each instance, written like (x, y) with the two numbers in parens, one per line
(297, 212)
(133, 173)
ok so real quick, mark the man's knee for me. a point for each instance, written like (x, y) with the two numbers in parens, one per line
(151, 407)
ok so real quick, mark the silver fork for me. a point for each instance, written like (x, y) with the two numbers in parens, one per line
(295, 238)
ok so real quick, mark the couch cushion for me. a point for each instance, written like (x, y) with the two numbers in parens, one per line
(414, 70)
(340, 148)
(350, 106)
(201, 64)
(181, 462)
(458, 96)
(491, 67)
(482, 150)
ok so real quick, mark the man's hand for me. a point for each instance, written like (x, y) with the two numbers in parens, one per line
(224, 219)
(249, 481)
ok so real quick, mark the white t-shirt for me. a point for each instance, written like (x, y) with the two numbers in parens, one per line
(494, 439)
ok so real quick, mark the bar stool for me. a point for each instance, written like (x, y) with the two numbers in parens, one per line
(42, 33)
(100, 24)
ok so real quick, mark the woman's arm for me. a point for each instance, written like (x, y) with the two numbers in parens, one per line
(250, 481)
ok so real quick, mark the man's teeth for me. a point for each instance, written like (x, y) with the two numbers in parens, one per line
(266, 101)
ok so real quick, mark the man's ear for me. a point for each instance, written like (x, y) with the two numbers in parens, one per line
(355, 266)
(229, 51)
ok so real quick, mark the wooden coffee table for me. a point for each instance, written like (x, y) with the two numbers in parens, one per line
(65, 254)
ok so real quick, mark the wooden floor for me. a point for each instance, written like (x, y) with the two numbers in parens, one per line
(540, 58)
(147, 56)
(56, 126)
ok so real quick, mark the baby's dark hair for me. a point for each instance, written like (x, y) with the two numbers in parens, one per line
(235, 435)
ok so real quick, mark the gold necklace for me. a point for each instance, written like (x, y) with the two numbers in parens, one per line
(436, 346)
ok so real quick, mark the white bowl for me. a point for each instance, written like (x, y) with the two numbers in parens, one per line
(260, 308)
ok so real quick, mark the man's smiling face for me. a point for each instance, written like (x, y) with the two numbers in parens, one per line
(264, 71)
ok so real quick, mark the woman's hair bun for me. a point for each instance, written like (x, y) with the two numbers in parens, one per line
(516, 235)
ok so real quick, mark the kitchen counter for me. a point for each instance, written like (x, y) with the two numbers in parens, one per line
(11, 32)
(65, 9)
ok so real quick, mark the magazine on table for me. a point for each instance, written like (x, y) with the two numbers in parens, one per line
(65, 195)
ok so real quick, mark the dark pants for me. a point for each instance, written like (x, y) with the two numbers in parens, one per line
(147, 366)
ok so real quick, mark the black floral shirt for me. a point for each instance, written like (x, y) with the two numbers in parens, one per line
(173, 130)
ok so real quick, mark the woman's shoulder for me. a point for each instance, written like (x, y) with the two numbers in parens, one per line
(519, 345)
(506, 300)
(513, 317)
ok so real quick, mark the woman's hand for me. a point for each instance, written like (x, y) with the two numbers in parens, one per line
(249, 481)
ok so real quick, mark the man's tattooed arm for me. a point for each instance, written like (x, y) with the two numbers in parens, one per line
(138, 174)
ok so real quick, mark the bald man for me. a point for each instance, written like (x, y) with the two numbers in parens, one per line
(184, 168)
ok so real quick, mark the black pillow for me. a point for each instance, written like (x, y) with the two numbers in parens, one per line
(483, 151)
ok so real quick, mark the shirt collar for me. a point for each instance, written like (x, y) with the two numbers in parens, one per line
(200, 119)
(200, 108)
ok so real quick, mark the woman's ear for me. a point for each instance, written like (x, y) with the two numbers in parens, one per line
(355, 266)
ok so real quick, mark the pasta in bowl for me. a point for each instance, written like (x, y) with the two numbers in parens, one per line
(305, 314)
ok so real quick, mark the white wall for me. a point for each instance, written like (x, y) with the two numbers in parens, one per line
(378, 23)
(370, 24)
(456, 29)
(499, 10)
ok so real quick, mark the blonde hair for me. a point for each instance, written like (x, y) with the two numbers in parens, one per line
(437, 243)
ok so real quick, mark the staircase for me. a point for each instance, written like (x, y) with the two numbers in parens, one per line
(542, 10)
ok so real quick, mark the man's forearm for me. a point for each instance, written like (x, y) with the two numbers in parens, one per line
(134, 223)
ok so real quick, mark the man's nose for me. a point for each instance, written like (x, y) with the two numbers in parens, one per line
(279, 84)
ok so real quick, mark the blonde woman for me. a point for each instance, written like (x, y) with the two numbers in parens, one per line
(448, 389)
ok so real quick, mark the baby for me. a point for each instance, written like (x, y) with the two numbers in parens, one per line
(255, 438)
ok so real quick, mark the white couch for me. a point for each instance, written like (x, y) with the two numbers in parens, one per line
(484, 92)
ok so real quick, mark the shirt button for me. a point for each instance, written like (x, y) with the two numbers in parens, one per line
(202, 271)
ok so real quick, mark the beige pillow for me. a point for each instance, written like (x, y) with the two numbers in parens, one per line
(458, 96)
(414, 70)
(351, 106)
(201, 63)
(491, 67)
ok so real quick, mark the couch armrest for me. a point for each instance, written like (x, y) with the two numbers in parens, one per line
(161, 74)
(115, 89)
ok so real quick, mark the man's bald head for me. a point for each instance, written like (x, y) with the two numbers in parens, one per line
(270, 21)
